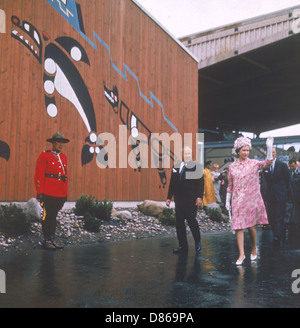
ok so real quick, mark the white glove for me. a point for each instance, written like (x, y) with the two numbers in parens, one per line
(228, 202)
(269, 144)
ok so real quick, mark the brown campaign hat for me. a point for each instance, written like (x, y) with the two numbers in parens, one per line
(58, 137)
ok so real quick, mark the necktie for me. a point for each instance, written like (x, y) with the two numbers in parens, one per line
(182, 172)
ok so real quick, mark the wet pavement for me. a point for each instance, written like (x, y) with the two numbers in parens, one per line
(146, 274)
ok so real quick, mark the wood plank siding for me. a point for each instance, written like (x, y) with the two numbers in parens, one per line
(85, 68)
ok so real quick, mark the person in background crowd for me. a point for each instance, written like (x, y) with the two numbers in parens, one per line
(293, 205)
(276, 180)
(223, 177)
(51, 182)
(186, 185)
(209, 191)
(244, 197)
(227, 159)
(215, 177)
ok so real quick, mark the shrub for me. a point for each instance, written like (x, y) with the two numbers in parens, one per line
(102, 209)
(214, 214)
(84, 204)
(91, 223)
(13, 221)
(167, 217)
(93, 211)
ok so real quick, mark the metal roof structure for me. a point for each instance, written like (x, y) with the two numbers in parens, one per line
(249, 73)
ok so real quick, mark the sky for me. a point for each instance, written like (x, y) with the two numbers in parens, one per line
(185, 17)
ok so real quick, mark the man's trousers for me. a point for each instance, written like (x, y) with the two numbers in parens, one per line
(276, 212)
(51, 206)
(186, 213)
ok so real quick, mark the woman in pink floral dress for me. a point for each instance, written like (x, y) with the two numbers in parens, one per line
(248, 209)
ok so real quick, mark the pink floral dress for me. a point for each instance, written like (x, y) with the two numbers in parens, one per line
(248, 209)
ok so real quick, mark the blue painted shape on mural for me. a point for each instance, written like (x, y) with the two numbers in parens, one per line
(69, 10)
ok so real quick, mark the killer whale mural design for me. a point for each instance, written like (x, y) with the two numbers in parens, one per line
(61, 75)
(58, 59)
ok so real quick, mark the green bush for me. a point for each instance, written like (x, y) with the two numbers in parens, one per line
(167, 217)
(93, 211)
(13, 221)
(214, 214)
(91, 223)
(84, 204)
(102, 209)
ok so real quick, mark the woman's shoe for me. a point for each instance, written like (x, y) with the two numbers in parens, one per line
(240, 262)
(253, 257)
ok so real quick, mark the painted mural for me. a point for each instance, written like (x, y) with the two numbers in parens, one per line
(59, 58)
(60, 74)
(4, 147)
(4, 150)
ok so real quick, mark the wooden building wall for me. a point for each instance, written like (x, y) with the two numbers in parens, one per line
(116, 46)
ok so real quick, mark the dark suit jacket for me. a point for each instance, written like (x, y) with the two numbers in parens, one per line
(275, 185)
(185, 190)
(294, 188)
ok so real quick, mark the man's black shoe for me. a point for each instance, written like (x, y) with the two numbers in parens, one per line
(47, 244)
(179, 249)
(57, 245)
(198, 247)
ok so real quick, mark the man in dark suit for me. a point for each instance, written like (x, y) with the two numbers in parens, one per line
(293, 210)
(275, 181)
(186, 185)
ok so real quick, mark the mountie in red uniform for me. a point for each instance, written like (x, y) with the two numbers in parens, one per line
(51, 182)
(51, 174)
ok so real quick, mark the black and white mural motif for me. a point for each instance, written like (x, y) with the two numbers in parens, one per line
(60, 73)
(4, 149)
(61, 77)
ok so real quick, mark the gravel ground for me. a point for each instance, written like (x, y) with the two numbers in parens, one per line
(70, 231)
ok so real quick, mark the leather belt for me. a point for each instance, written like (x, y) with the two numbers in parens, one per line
(56, 176)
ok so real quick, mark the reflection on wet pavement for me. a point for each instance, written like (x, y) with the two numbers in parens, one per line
(146, 274)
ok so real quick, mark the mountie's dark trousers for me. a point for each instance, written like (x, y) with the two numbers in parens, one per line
(51, 205)
(186, 213)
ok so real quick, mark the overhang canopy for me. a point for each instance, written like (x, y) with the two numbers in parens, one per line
(256, 91)
(249, 73)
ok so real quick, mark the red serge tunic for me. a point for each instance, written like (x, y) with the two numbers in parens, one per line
(51, 174)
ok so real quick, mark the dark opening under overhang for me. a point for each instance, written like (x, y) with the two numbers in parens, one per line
(255, 91)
